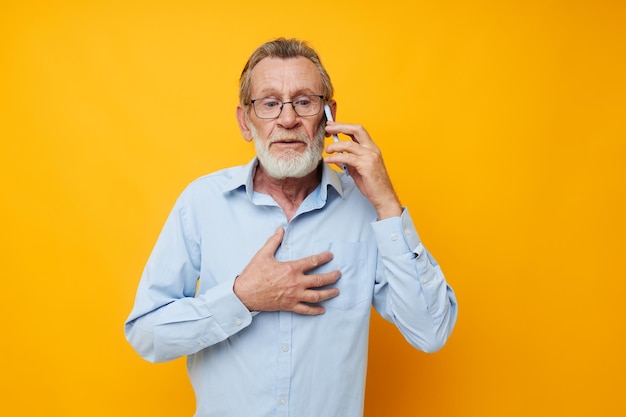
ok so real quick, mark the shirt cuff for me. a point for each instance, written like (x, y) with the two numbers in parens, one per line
(397, 235)
(227, 309)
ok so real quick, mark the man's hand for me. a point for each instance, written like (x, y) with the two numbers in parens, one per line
(366, 167)
(269, 285)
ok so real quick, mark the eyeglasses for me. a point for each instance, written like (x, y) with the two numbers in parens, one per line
(304, 106)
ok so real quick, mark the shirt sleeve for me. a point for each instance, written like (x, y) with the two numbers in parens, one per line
(168, 319)
(411, 290)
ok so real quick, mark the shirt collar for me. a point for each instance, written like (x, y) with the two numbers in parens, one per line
(244, 176)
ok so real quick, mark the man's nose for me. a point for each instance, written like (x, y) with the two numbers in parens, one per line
(288, 116)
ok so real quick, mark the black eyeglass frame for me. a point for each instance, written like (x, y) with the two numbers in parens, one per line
(293, 106)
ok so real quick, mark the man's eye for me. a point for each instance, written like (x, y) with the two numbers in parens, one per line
(271, 103)
(303, 102)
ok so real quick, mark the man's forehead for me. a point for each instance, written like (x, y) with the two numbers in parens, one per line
(286, 75)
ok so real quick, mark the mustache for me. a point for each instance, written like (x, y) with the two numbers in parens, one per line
(283, 136)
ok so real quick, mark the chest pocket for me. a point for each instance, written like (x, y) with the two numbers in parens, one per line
(356, 284)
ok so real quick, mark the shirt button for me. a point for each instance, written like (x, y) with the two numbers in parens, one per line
(238, 322)
(282, 401)
(425, 280)
(394, 237)
(407, 232)
(285, 348)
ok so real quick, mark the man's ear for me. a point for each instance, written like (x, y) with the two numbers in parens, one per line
(243, 124)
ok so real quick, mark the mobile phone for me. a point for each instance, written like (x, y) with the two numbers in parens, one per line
(329, 117)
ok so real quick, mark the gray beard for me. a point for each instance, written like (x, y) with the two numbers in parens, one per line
(289, 163)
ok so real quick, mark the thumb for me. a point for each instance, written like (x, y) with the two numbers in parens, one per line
(273, 242)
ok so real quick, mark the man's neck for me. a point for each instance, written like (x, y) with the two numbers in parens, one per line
(289, 193)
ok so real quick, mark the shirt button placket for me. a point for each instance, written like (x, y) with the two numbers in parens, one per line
(283, 374)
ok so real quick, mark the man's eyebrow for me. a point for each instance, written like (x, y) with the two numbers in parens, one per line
(271, 92)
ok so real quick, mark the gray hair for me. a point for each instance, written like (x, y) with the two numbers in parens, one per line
(284, 49)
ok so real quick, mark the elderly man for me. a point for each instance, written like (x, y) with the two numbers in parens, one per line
(264, 274)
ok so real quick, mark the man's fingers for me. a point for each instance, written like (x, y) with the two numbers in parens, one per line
(312, 261)
(308, 310)
(356, 132)
(311, 299)
(321, 280)
(317, 296)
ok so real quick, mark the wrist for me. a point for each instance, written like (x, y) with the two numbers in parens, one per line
(389, 210)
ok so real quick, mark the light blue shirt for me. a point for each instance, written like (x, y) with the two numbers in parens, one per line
(258, 364)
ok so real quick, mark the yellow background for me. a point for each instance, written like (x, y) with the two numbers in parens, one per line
(502, 123)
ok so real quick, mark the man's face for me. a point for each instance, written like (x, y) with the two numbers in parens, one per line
(289, 146)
